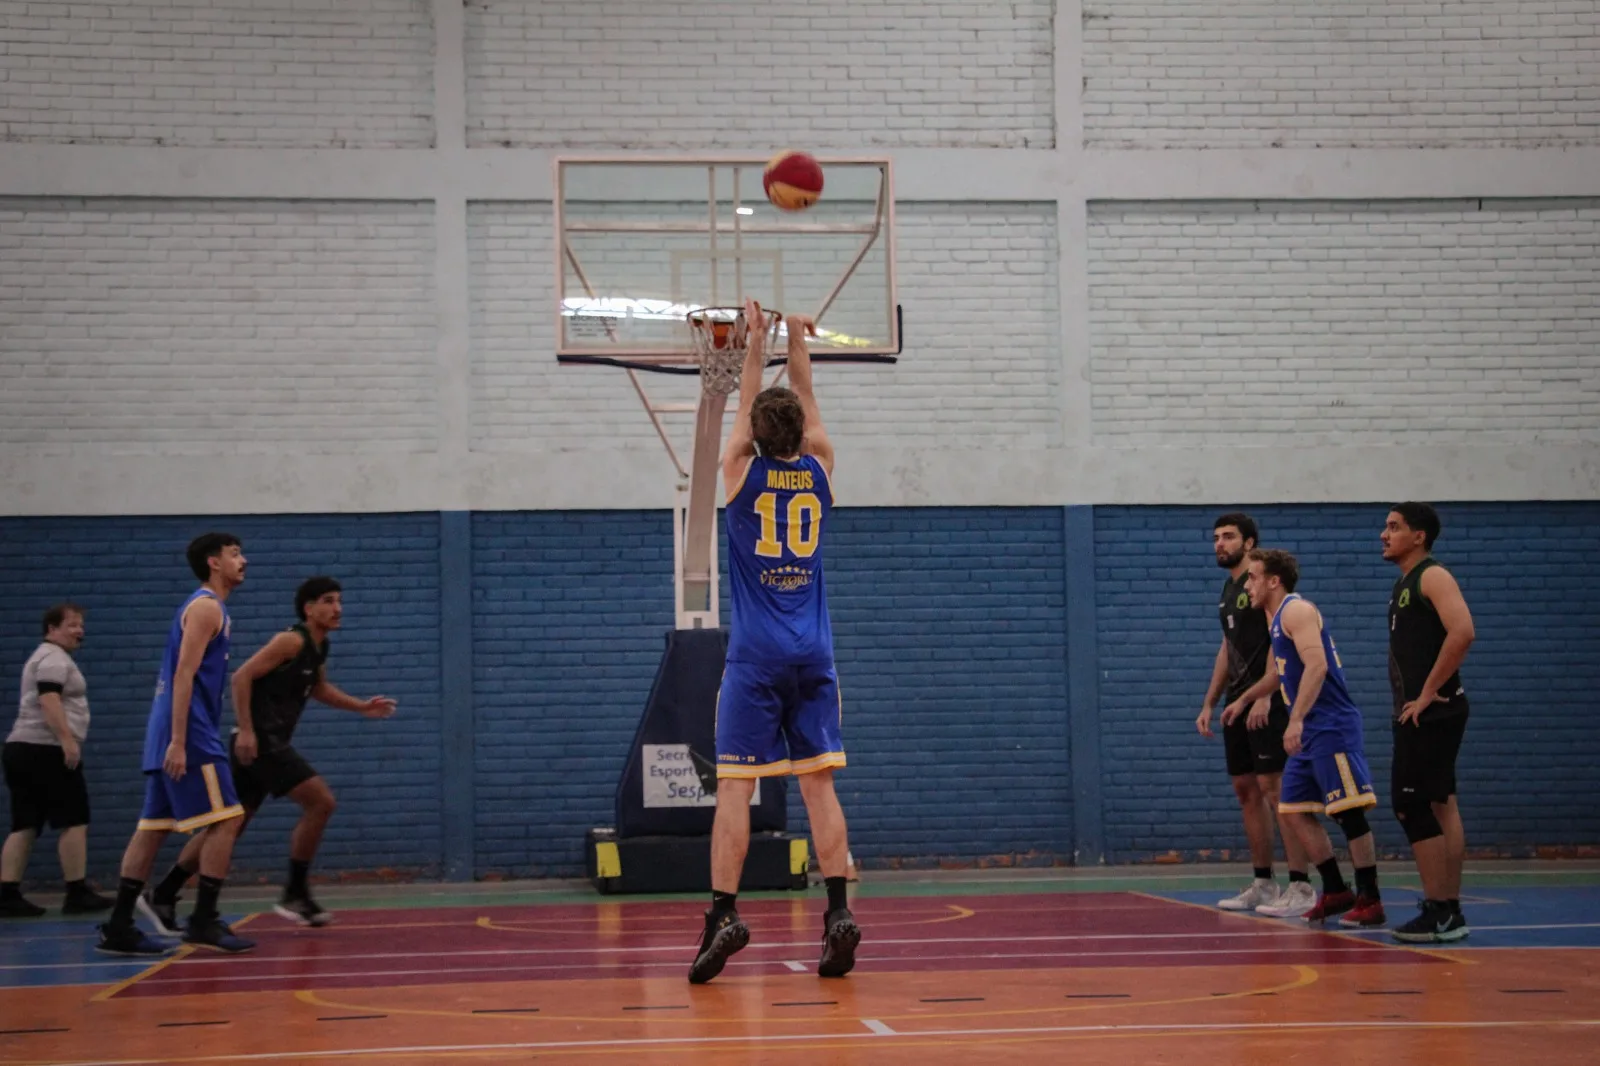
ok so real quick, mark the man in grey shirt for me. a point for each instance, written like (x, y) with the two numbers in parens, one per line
(43, 759)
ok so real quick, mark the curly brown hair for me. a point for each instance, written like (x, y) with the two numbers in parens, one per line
(778, 422)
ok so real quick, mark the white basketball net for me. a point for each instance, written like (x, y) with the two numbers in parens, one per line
(720, 337)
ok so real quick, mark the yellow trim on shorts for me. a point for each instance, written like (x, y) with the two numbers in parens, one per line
(1365, 799)
(1346, 778)
(746, 772)
(200, 821)
(157, 824)
(208, 771)
(828, 760)
(1299, 808)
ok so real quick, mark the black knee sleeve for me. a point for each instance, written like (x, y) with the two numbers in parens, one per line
(1417, 819)
(1354, 823)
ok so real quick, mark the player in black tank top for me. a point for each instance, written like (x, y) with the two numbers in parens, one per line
(1253, 745)
(1430, 630)
(270, 692)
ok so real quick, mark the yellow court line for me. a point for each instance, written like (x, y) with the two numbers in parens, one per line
(183, 952)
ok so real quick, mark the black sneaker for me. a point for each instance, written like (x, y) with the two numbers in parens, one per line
(86, 901)
(839, 939)
(303, 910)
(131, 941)
(1435, 923)
(19, 907)
(214, 935)
(164, 916)
(723, 937)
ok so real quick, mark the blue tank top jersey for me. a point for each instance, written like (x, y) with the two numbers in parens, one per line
(1334, 712)
(775, 521)
(203, 735)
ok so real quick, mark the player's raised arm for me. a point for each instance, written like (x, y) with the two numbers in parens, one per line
(816, 440)
(741, 443)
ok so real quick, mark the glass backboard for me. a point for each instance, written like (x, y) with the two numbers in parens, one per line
(642, 242)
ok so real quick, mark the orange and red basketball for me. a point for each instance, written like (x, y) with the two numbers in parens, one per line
(793, 181)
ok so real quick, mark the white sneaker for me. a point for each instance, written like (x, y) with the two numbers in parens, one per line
(1259, 892)
(1298, 900)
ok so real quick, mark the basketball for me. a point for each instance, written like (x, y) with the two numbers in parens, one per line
(793, 181)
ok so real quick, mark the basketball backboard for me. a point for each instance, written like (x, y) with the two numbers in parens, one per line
(641, 242)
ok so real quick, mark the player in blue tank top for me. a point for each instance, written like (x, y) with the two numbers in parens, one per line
(778, 711)
(188, 784)
(1327, 768)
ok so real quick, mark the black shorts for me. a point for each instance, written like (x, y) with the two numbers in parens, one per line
(43, 789)
(1425, 759)
(1257, 751)
(273, 773)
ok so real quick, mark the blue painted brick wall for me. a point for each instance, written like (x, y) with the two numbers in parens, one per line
(948, 626)
(130, 575)
(1527, 767)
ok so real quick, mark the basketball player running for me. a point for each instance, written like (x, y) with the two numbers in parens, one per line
(1253, 743)
(269, 695)
(1327, 768)
(188, 785)
(778, 711)
(1430, 630)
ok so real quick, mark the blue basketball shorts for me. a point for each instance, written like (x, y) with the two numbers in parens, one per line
(776, 720)
(1322, 779)
(203, 795)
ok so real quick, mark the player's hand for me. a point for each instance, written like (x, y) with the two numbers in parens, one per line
(1231, 712)
(1291, 739)
(382, 706)
(176, 764)
(71, 753)
(1259, 714)
(1202, 721)
(1411, 713)
(245, 747)
(802, 324)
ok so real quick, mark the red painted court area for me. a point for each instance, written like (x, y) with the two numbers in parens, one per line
(388, 948)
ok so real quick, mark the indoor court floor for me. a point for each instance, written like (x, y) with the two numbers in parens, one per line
(1128, 965)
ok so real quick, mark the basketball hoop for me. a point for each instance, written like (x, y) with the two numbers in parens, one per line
(720, 338)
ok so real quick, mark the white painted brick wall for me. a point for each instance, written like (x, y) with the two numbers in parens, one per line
(1369, 73)
(264, 73)
(980, 288)
(1334, 323)
(181, 326)
(714, 73)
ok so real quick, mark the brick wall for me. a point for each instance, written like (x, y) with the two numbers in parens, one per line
(1299, 73)
(257, 73)
(1438, 321)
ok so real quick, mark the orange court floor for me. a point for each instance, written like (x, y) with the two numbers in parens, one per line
(1129, 965)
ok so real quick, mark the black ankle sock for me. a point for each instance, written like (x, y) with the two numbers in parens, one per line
(205, 900)
(298, 872)
(722, 902)
(836, 893)
(10, 889)
(1455, 905)
(167, 891)
(1299, 875)
(127, 895)
(1332, 881)
(1263, 873)
(78, 887)
(1367, 881)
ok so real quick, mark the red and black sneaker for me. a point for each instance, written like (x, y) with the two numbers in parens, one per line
(1366, 914)
(1330, 905)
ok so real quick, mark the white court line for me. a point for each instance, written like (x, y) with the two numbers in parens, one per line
(878, 1027)
(797, 967)
(774, 1038)
(985, 956)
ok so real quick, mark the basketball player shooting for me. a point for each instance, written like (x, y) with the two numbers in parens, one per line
(778, 711)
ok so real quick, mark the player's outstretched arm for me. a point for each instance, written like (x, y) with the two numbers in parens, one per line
(816, 440)
(326, 692)
(741, 443)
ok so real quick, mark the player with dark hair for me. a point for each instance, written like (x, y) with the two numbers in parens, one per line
(269, 695)
(778, 710)
(188, 784)
(1327, 768)
(1430, 630)
(1253, 741)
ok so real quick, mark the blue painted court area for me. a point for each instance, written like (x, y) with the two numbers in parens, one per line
(1500, 917)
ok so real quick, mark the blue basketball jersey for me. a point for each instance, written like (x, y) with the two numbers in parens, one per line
(1334, 712)
(203, 733)
(775, 521)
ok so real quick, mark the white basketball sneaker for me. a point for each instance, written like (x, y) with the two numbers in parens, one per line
(1298, 900)
(1259, 893)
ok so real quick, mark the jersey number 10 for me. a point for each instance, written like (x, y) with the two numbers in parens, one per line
(803, 533)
